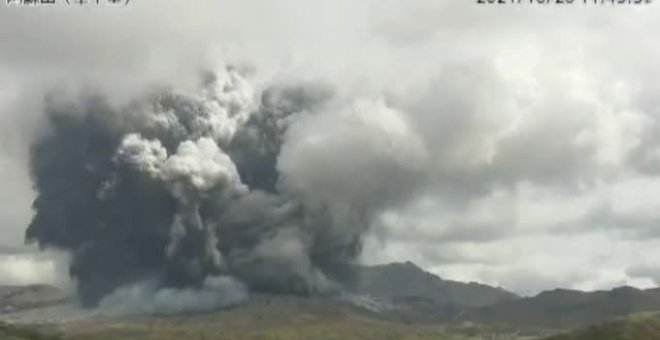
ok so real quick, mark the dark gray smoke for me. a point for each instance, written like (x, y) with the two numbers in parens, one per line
(176, 192)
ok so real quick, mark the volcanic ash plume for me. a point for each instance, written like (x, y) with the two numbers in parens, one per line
(198, 198)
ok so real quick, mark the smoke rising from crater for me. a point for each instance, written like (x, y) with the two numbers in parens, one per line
(175, 191)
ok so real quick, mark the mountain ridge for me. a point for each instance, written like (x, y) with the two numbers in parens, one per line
(404, 292)
(402, 280)
(571, 308)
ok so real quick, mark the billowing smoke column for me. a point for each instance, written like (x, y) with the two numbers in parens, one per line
(199, 198)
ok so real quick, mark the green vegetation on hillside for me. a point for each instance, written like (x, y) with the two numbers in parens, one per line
(315, 330)
(278, 319)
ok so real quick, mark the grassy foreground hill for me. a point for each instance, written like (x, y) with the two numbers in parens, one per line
(270, 318)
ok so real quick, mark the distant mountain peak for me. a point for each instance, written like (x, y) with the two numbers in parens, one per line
(406, 280)
(565, 307)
